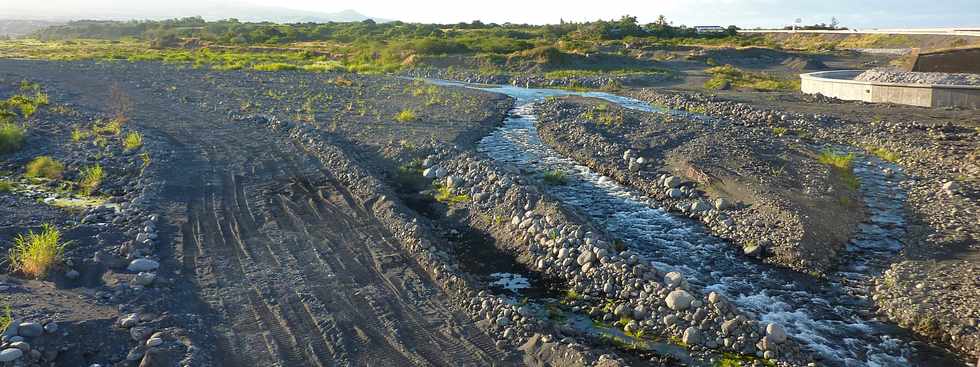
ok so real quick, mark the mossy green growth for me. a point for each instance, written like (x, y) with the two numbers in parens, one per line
(45, 167)
(445, 195)
(11, 137)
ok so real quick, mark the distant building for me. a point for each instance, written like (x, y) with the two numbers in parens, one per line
(709, 29)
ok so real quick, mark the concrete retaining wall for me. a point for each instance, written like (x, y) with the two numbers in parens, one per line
(841, 84)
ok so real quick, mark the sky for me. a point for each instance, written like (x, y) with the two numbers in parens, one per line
(744, 13)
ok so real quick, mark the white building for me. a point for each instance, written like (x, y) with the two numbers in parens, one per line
(709, 29)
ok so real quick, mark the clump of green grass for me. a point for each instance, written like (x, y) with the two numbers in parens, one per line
(729, 359)
(406, 115)
(603, 116)
(555, 178)
(110, 127)
(77, 134)
(35, 254)
(779, 131)
(274, 66)
(132, 141)
(11, 137)
(728, 76)
(843, 164)
(7, 318)
(837, 160)
(6, 186)
(90, 179)
(445, 195)
(883, 153)
(45, 167)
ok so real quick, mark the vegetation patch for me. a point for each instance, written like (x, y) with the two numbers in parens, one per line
(445, 195)
(90, 179)
(11, 137)
(883, 153)
(45, 167)
(843, 165)
(133, 140)
(555, 178)
(730, 77)
(36, 253)
(406, 115)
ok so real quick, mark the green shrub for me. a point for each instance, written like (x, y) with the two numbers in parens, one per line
(45, 167)
(555, 178)
(406, 115)
(728, 76)
(779, 131)
(90, 179)
(133, 140)
(34, 254)
(11, 137)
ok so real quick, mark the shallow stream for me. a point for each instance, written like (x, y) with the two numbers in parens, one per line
(832, 318)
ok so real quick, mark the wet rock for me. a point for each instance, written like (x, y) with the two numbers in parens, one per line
(22, 345)
(129, 320)
(675, 193)
(51, 327)
(10, 354)
(679, 300)
(143, 265)
(72, 274)
(30, 329)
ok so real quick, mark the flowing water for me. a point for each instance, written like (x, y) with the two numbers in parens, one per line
(833, 318)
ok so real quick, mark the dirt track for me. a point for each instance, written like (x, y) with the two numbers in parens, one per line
(279, 258)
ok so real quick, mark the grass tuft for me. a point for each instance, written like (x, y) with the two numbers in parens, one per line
(555, 178)
(843, 164)
(727, 76)
(883, 153)
(132, 141)
(35, 254)
(90, 179)
(445, 195)
(45, 167)
(6, 186)
(11, 137)
(406, 115)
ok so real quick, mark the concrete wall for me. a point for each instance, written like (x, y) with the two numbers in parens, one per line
(957, 60)
(841, 84)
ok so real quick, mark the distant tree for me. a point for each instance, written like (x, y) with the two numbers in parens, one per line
(732, 30)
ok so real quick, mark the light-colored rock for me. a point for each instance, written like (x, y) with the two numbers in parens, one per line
(692, 336)
(142, 265)
(679, 300)
(776, 332)
(723, 204)
(672, 182)
(674, 279)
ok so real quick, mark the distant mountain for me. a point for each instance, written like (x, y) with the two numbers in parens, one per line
(62, 10)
